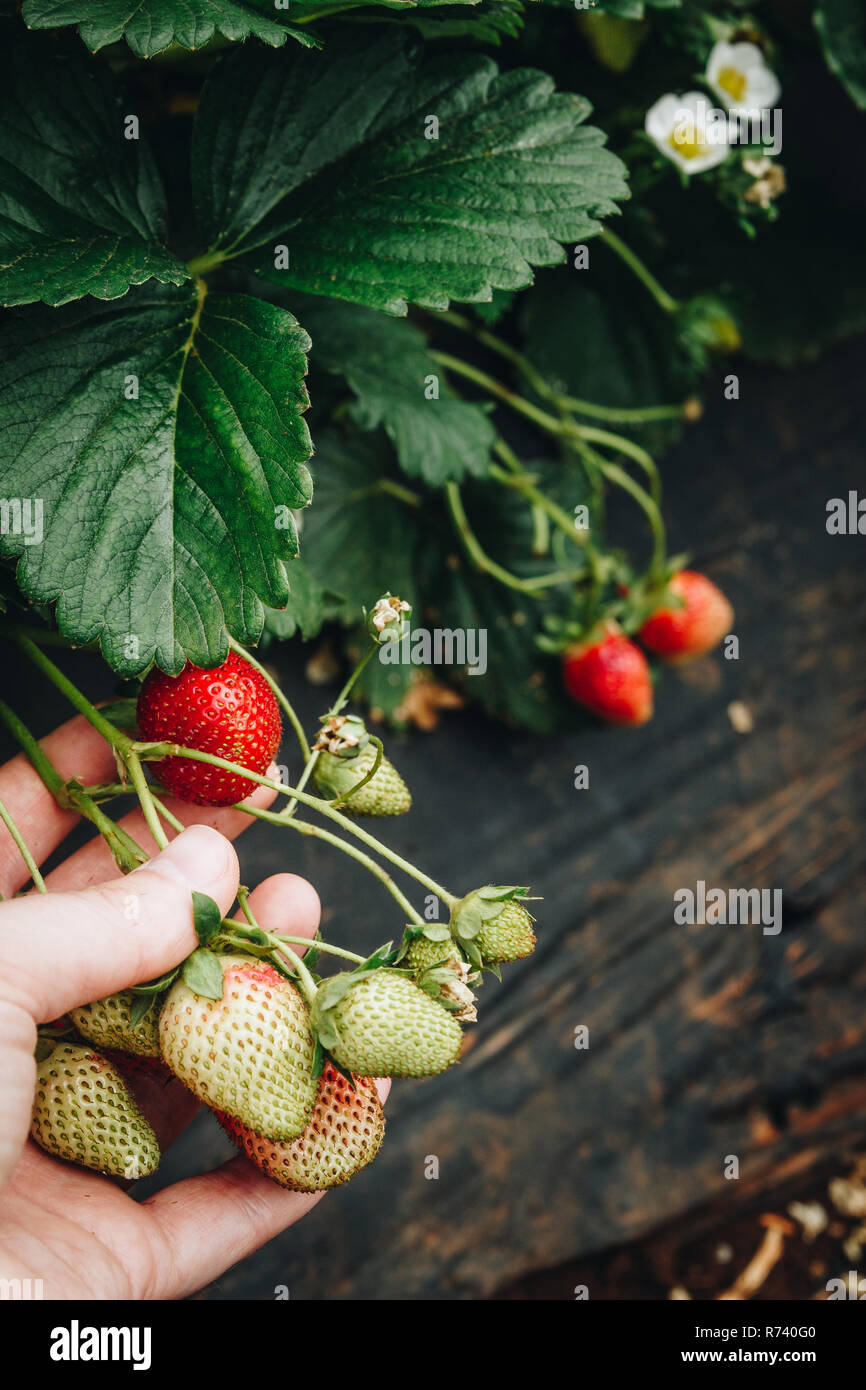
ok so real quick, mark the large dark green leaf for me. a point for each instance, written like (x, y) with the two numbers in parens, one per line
(166, 516)
(359, 539)
(398, 384)
(842, 26)
(487, 22)
(364, 538)
(325, 155)
(81, 206)
(151, 26)
(597, 339)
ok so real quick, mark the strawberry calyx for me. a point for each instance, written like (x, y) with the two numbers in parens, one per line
(472, 913)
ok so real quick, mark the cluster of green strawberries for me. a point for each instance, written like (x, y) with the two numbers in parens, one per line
(287, 1060)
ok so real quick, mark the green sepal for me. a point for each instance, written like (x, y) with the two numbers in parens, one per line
(203, 973)
(318, 1060)
(436, 931)
(471, 951)
(151, 987)
(343, 1072)
(206, 917)
(140, 1008)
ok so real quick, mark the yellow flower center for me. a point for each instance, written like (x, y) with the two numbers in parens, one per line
(732, 81)
(687, 143)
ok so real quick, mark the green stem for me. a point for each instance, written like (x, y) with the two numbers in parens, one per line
(345, 692)
(142, 790)
(313, 757)
(323, 946)
(127, 854)
(166, 814)
(200, 265)
(318, 832)
(306, 982)
(115, 737)
(627, 447)
(281, 699)
(625, 415)
(155, 752)
(522, 483)
(644, 414)
(635, 264)
(617, 475)
(495, 388)
(32, 866)
(403, 494)
(276, 940)
(43, 635)
(482, 560)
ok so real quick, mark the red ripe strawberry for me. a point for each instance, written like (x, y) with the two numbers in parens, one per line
(678, 634)
(229, 711)
(609, 675)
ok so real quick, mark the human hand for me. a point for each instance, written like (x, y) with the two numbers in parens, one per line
(78, 1232)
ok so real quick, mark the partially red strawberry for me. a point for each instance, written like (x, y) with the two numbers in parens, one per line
(609, 675)
(680, 633)
(343, 1135)
(229, 711)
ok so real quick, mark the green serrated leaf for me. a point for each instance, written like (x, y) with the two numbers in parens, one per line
(206, 917)
(151, 26)
(82, 210)
(167, 514)
(368, 208)
(487, 22)
(597, 340)
(357, 537)
(842, 27)
(203, 973)
(363, 537)
(398, 385)
(307, 608)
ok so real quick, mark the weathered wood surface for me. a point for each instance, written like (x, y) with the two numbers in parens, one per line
(705, 1041)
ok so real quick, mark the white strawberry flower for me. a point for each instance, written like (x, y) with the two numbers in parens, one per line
(738, 74)
(690, 132)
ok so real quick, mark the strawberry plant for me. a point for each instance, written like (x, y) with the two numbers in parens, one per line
(324, 317)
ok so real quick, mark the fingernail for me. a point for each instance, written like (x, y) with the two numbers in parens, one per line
(198, 857)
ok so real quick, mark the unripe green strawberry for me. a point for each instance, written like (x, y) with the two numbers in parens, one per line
(442, 971)
(384, 1025)
(249, 1053)
(83, 1111)
(424, 953)
(107, 1023)
(386, 794)
(492, 925)
(508, 936)
(342, 1137)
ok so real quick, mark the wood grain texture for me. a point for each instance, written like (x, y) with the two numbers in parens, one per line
(705, 1041)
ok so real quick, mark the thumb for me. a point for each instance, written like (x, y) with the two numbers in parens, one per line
(59, 950)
